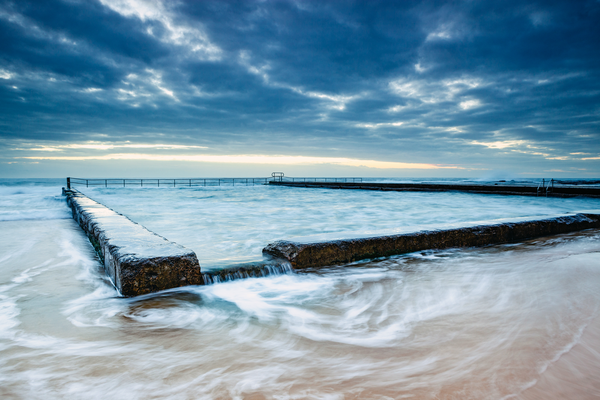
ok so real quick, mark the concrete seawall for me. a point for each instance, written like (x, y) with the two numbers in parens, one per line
(313, 255)
(138, 261)
(506, 189)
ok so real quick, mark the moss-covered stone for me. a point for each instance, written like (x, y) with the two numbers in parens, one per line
(311, 255)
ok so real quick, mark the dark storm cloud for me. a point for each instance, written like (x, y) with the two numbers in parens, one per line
(40, 36)
(440, 82)
(333, 46)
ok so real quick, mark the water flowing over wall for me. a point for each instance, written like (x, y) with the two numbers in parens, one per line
(230, 274)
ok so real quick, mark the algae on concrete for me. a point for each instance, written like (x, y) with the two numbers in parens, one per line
(138, 261)
(311, 255)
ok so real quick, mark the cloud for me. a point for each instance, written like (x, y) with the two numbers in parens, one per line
(443, 32)
(4, 74)
(194, 39)
(469, 104)
(436, 91)
(500, 144)
(107, 146)
(380, 125)
(464, 83)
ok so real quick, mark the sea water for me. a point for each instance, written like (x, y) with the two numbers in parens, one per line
(508, 321)
(226, 225)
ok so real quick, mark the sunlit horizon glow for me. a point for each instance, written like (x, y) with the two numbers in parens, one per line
(251, 159)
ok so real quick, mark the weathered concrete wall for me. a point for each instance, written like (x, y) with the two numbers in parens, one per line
(138, 261)
(506, 189)
(311, 255)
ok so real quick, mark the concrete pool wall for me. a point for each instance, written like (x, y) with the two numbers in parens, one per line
(137, 261)
(313, 255)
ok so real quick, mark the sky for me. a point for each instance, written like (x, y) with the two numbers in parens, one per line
(150, 88)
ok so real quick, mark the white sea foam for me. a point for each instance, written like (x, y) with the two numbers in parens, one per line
(37, 201)
(9, 311)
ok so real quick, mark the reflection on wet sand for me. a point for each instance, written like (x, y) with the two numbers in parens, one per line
(575, 375)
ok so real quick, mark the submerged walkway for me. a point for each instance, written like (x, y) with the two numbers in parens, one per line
(497, 188)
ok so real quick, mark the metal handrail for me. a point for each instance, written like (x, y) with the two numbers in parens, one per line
(549, 188)
(546, 189)
(308, 180)
(159, 182)
(129, 182)
(277, 176)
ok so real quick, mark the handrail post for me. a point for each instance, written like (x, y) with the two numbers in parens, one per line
(87, 183)
(68, 182)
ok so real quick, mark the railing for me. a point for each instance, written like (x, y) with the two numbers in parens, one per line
(277, 176)
(318, 179)
(545, 189)
(71, 182)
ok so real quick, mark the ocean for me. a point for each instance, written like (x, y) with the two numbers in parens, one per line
(508, 321)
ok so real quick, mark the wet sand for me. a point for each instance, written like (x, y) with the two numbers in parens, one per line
(575, 375)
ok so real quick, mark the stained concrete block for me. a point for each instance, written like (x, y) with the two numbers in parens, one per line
(137, 260)
(504, 189)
